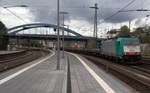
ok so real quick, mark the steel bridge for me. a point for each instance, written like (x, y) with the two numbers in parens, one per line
(13, 32)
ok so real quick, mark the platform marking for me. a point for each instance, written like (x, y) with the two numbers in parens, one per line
(2, 81)
(100, 81)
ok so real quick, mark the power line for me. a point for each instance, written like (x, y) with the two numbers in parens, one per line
(16, 15)
(13, 14)
(120, 10)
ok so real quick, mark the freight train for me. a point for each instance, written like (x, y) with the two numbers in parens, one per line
(118, 49)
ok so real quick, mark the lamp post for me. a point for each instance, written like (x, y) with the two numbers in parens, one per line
(67, 27)
(146, 21)
(63, 13)
(58, 38)
(15, 6)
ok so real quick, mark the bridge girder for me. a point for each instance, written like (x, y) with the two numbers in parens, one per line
(16, 29)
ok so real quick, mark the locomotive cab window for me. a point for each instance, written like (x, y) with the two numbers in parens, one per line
(130, 42)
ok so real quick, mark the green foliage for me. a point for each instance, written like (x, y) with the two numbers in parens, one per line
(143, 33)
(145, 39)
(2, 26)
(124, 31)
(138, 31)
(2, 39)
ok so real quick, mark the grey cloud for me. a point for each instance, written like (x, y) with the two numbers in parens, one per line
(140, 22)
(45, 10)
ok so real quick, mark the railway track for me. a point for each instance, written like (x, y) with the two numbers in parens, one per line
(144, 67)
(17, 60)
(138, 77)
(15, 57)
(144, 70)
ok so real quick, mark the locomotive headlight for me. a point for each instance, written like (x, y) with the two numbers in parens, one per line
(126, 48)
(132, 49)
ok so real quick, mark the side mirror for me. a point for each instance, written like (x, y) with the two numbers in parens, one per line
(119, 43)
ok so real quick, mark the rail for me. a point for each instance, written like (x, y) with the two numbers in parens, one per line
(13, 60)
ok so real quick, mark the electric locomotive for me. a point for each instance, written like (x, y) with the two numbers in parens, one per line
(121, 49)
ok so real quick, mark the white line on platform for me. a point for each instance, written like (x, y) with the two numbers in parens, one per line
(100, 81)
(2, 81)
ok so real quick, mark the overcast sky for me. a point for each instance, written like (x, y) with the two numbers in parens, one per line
(80, 17)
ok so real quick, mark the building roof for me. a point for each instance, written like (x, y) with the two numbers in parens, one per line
(113, 31)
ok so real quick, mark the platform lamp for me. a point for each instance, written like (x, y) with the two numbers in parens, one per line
(67, 27)
(146, 25)
(6, 7)
(63, 13)
(58, 36)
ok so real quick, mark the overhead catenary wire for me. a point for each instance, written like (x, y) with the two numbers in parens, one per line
(16, 15)
(120, 10)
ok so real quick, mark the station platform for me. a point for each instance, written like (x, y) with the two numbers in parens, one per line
(76, 75)
(8, 52)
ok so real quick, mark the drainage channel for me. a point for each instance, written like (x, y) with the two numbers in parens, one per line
(69, 90)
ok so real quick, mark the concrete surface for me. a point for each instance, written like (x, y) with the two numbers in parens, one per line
(7, 52)
(73, 77)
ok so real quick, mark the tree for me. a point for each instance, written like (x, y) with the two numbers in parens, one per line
(142, 33)
(3, 40)
(124, 31)
(145, 39)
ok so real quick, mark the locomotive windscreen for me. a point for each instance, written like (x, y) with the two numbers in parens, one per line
(131, 42)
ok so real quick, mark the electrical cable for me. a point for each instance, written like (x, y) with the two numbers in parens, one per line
(14, 14)
(120, 10)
